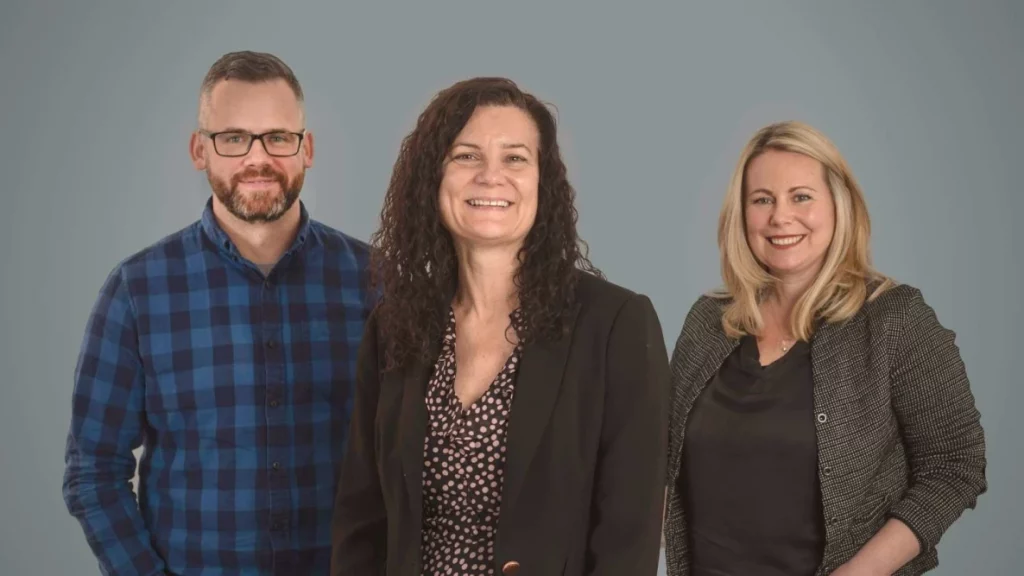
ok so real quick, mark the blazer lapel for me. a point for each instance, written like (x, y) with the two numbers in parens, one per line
(413, 425)
(541, 369)
(719, 349)
(837, 364)
(714, 348)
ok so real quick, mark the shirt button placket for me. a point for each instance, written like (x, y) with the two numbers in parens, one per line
(275, 416)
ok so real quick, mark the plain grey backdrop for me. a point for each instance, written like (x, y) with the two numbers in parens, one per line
(923, 98)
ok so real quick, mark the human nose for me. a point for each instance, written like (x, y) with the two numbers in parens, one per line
(782, 213)
(490, 172)
(257, 153)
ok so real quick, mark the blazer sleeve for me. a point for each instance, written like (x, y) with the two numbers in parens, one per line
(359, 524)
(940, 424)
(627, 506)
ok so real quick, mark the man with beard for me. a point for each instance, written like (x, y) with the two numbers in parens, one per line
(226, 351)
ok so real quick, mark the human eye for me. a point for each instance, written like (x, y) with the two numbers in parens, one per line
(464, 157)
(232, 137)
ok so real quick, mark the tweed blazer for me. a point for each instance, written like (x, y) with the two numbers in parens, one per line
(897, 429)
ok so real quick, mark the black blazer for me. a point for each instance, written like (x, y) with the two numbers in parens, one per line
(898, 432)
(585, 467)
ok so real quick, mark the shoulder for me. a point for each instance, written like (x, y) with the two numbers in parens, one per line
(902, 314)
(605, 307)
(337, 242)
(605, 301)
(596, 293)
(349, 260)
(349, 257)
(161, 257)
(893, 300)
(704, 318)
(134, 274)
(701, 331)
(707, 309)
(892, 307)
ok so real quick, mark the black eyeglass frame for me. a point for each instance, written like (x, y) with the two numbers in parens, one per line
(252, 138)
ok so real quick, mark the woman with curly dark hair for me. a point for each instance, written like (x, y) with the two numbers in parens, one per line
(510, 406)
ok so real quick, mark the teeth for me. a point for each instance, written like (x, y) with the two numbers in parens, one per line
(786, 241)
(495, 203)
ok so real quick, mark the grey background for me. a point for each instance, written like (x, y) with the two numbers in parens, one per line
(923, 98)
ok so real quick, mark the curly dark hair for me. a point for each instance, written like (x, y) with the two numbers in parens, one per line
(413, 262)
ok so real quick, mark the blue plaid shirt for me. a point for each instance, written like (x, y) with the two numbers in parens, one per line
(238, 389)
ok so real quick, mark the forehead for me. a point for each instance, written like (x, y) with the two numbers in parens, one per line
(784, 168)
(500, 123)
(254, 106)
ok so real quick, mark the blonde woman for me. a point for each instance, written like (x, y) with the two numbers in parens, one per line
(822, 421)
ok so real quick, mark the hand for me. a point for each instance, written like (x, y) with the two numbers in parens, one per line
(889, 549)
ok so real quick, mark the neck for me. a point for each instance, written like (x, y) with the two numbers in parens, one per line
(486, 286)
(782, 301)
(259, 242)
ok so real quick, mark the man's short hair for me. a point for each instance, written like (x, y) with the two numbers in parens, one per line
(249, 66)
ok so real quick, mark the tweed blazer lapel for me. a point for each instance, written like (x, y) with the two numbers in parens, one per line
(699, 353)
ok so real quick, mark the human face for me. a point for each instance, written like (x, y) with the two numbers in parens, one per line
(256, 187)
(488, 192)
(789, 214)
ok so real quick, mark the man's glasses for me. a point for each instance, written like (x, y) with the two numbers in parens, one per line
(235, 144)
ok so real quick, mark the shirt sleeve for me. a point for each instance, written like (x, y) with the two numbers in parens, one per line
(107, 421)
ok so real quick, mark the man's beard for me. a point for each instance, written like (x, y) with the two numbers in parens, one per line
(261, 206)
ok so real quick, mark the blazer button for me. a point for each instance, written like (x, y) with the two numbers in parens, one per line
(510, 568)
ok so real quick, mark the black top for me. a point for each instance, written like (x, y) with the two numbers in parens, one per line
(750, 474)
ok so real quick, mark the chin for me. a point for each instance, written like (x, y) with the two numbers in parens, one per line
(490, 241)
(489, 238)
(260, 194)
(489, 233)
(794, 269)
(785, 267)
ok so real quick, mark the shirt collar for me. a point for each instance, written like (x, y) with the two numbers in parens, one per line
(220, 238)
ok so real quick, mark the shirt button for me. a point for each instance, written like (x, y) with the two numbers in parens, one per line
(274, 403)
(828, 471)
(822, 417)
(271, 344)
(277, 465)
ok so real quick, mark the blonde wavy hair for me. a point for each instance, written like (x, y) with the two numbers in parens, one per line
(846, 277)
